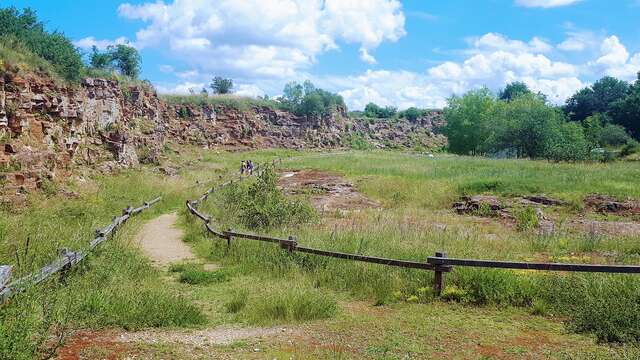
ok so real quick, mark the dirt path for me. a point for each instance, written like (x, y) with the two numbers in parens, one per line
(161, 241)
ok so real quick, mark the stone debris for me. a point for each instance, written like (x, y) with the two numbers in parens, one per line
(478, 203)
(543, 200)
(608, 204)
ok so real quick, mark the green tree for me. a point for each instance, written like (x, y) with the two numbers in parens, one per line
(412, 114)
(513, 90)
(598, 98)
(221, 85)
(626, 112)
(100, 60)
(292, 94)
(372, 110)
(568, 143)
(468, 122)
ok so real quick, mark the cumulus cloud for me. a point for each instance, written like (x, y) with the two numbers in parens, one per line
(265, 38)
(89, 42)
(493, 60)
(546, 3)
(615, 60)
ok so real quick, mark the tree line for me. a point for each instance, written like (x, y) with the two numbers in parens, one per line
(22, 31)
(519, 123)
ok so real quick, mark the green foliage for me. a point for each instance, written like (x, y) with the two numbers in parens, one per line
(24, 28)
(123, 58)
(468, 122)
(221, 85)
(597, 98)
(525, 126)
(356, 141)
(412, 114)
(514, 90)
(309, 101)
(372, 110)
(237, 302)
(526, 219)
(626, 112)
(260, 204)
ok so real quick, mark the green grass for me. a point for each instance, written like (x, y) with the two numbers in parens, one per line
(264, 285)
(417, 192)
(242, 103)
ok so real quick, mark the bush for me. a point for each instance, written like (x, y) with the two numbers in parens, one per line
(260, 204)
(194, 276)
(526, 219)
(372, 110)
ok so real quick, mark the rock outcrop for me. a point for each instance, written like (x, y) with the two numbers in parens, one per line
(47, 129)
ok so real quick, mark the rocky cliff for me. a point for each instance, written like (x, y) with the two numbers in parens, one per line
(47, 129)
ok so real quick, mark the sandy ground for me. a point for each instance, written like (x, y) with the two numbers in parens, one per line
(161, 241)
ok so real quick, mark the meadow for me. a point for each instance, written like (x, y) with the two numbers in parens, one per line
(356, 310)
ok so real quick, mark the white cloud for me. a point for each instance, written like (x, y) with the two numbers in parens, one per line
(89, 42)
(166, 68)
(494, 41)
(366, 57)
(493, 60)
(615, 60)
(263, 38)
(546, 3)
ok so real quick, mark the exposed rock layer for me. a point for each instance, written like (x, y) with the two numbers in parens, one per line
(47, 129)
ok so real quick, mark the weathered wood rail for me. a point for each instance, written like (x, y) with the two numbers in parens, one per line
(67, 259)
(439, 264)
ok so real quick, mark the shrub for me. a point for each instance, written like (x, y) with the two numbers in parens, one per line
(526, 219)
(260, 204)
(372, 110)
(454, 293)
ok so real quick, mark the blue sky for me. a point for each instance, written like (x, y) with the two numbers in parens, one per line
(409, 53)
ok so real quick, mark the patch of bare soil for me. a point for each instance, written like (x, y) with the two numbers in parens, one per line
(329, 192)
(215, 336)
(161, 241)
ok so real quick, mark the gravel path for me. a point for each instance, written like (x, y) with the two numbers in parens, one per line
(161, 241)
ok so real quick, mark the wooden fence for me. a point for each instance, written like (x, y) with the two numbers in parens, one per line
(67, 259)
(439, 264)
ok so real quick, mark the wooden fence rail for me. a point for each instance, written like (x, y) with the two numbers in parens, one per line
(67, 259)
(439, 264)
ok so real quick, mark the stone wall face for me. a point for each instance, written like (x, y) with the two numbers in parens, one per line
(47, 130)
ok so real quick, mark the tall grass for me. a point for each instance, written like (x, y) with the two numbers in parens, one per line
(417, 193)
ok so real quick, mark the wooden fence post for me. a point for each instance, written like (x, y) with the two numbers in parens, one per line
(438, 283)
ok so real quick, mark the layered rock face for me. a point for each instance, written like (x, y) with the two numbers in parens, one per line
(422, 133)
(48, 129)
(258, 126)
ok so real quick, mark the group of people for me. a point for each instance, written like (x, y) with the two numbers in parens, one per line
(246, 167)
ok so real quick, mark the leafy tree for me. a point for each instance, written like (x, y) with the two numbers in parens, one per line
(598, 98)
(126, 59)
(567, 144)
(626, 112)
(221, 85)
(372, 110)
(468, 121)
(514, 90)
(100, 60)
(412, 114)
(292, 95)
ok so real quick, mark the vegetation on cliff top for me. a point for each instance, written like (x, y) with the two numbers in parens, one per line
(25, 41)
